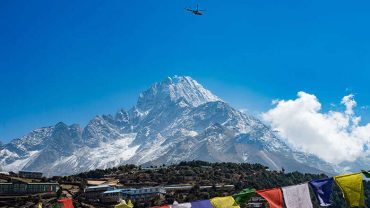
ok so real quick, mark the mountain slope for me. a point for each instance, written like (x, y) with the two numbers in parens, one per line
(174, 120)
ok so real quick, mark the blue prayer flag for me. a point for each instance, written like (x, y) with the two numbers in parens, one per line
(201, 204)
(322, 190)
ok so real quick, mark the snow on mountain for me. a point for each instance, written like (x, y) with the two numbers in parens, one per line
(184, 88)
(174, 120)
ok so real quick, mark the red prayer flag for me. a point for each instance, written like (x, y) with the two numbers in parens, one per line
(67, 203)
(273, 196)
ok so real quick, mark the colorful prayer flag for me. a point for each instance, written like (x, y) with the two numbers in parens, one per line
(366, 173)
(120, 204)
(297, 196)
(129, 204)
(123, 204)
(273, 196)
(322, 190)
(57, 205)
(182, 205)
(353, 189)
(244, 196)
(224, 202)
(67, 203)
(201, 204)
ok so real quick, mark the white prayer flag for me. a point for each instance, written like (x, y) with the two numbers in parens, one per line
(182, 205)
(297, 196)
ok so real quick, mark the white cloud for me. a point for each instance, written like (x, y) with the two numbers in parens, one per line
(334, 136)
(350, 103)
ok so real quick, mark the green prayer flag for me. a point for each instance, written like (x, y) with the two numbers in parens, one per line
(245, 195)
(57, 205)
(366, 173)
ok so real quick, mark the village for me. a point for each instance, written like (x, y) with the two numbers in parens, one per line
(134, 184)
(149, 186)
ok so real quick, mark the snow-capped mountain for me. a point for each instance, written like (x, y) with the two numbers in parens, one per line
(174, 120)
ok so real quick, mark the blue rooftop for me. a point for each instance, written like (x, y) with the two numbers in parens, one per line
(118, 190)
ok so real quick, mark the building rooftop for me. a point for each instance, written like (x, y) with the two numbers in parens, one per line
(109, 181)
(22, 180)
(119, 190)
(51, 183)
(99, 186)
(96, 182)
(135, 191)
(92, 188)
(26, 171)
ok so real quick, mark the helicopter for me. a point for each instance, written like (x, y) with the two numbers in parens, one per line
(195, 11)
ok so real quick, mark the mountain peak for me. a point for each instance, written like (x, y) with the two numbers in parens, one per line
(173, 89)
(175, 120)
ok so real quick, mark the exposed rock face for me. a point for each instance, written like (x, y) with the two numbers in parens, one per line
(174, 120)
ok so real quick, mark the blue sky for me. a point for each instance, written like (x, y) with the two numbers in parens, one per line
(71, 60)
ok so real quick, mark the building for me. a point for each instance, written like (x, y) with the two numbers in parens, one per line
(178, 187)
(256, 202)
(186, 187)
(108, 181)
(144, 193)
(18, 186)
(113, 196)
(30, 174)
(4, 176)
(93, 192)
(4, 173)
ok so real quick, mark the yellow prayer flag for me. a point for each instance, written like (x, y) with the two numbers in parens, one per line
(39, 205)
(224, 202)
(352, 188)
(123, 204)
(129, 204)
